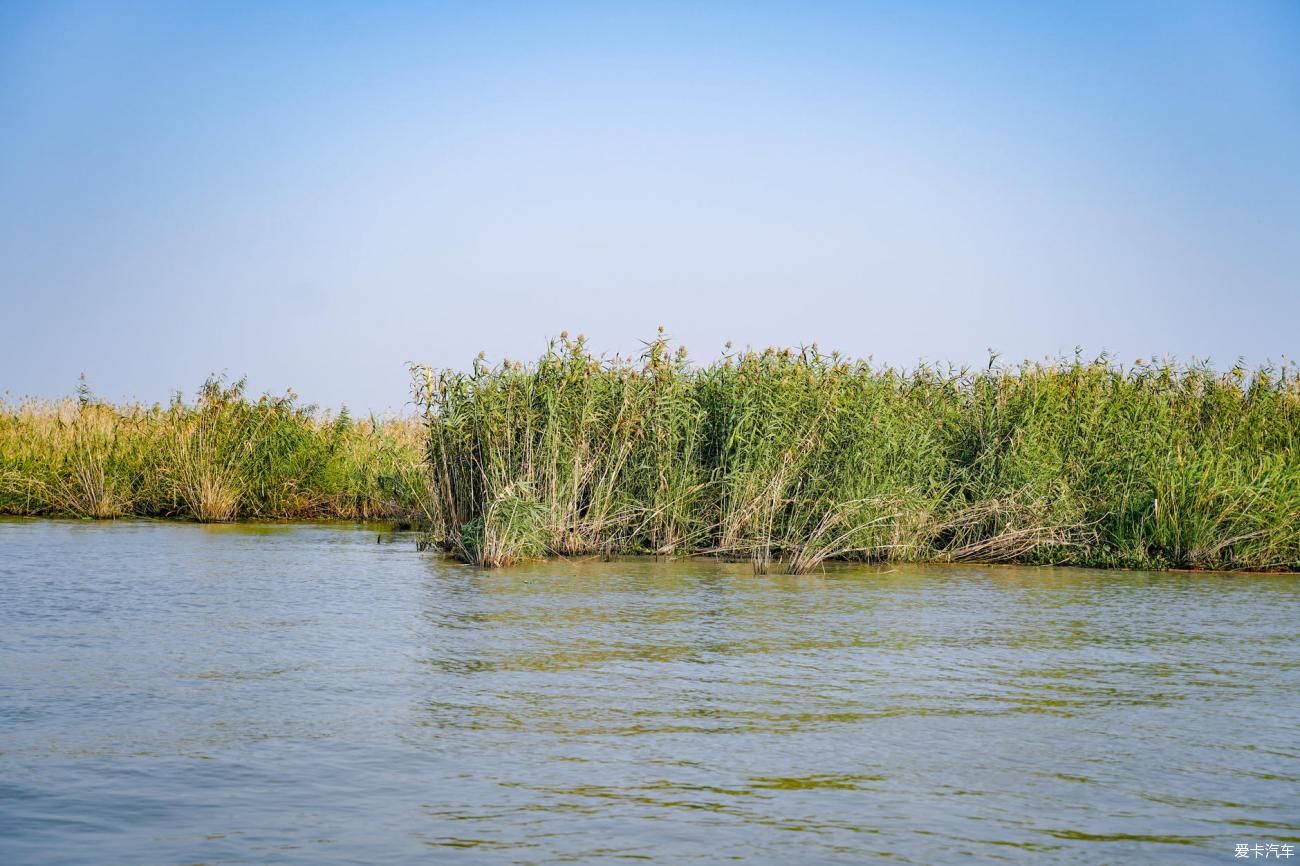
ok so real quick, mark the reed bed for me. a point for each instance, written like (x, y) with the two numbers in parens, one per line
(222, 457)
(793, 457)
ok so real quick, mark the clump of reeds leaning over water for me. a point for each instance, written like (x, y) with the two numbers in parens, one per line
(795, 457)
(222, 457)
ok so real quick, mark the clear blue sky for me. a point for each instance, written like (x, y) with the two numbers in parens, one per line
(315, 193)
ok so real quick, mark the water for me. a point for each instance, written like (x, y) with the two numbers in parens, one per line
(174, 694)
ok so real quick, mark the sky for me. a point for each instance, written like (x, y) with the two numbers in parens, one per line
(315, 194)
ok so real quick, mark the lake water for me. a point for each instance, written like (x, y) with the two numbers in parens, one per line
(178, 694)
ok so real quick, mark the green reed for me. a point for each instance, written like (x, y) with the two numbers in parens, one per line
(797, 457)
(222, 457)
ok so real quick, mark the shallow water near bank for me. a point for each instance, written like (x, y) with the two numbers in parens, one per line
(180, 694)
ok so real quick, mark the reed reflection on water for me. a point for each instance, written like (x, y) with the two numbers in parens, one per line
(300, 694)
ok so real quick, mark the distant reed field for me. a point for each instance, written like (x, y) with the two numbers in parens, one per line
(788, 458)
(223, 457)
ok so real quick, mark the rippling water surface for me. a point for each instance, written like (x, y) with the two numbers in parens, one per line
(175, 694)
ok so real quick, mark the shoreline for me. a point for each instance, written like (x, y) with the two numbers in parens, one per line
(395, 527)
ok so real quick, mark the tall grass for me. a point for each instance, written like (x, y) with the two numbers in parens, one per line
(222, 457)
(795, 457)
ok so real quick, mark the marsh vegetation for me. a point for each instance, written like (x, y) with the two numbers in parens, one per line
(220, 457)
(784, 458)
(795, 457)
